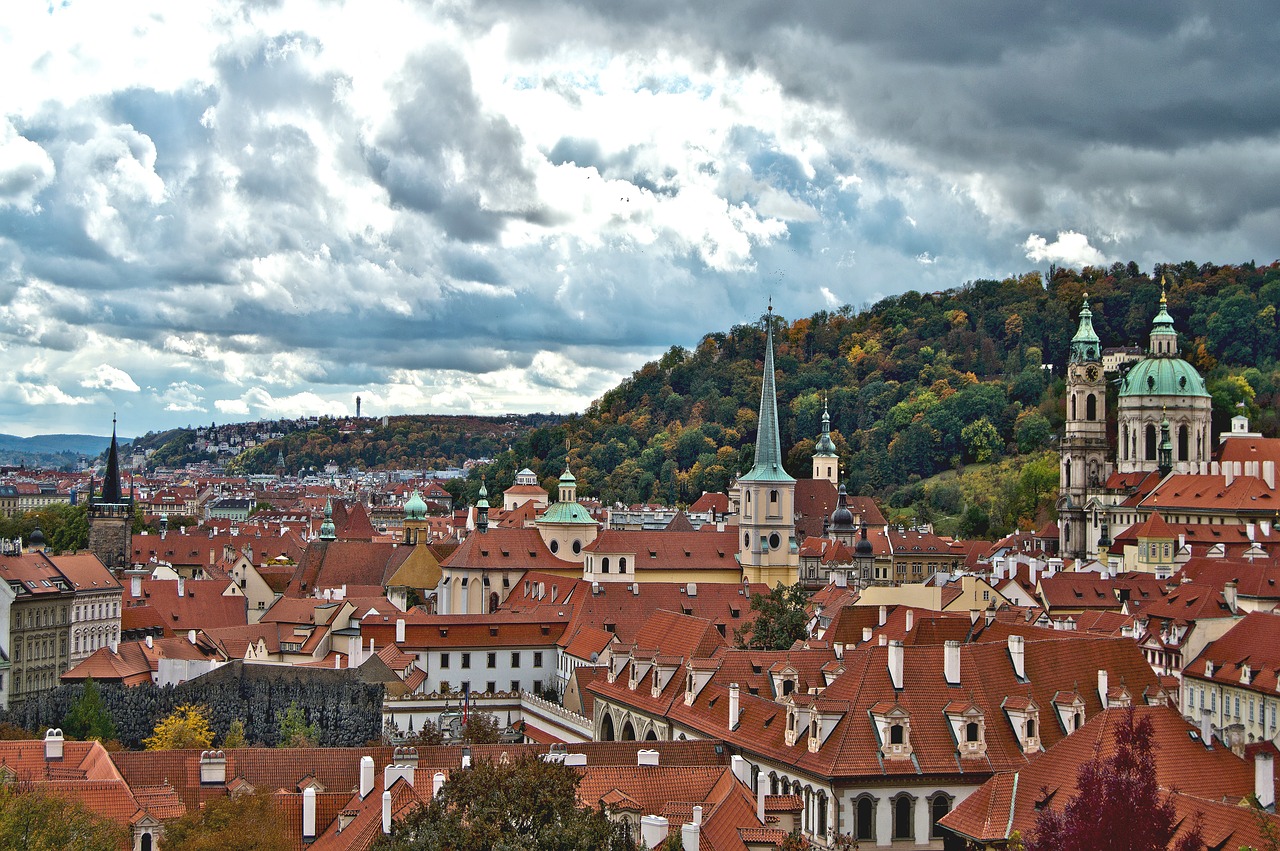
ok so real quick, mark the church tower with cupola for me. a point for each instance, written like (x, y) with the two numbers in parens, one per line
(1083, 466)
(826, 461)
(111, 514)
(766, 523)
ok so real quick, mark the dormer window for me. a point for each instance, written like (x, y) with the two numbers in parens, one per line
(897, 734)
(972, 733)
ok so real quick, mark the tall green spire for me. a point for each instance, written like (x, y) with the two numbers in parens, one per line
(768, 466)
(1085, 345)
(1164, 337)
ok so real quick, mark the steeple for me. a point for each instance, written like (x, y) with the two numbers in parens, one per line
(1164, 337)
(1166, 447)
(327, 530)
(824, 445)
(768, 463)
(1085, 346)
(826, 462)
(111, 493)
(482, 508)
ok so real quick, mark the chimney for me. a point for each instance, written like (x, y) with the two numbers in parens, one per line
(741, 770)
(1017, 654)
(308, 813)
(884, 615)
(399, 630)
(646, 757)
(1264, 780)
(366, 776)
(734, 706)
(437, 783)
(951, 662)
(579, 759)
(1269, 474)
(1250, 530)
(405, 756)
(213, 767)
(895, 663)
(386, 813)
(53, 744)
(991, 616)
(911, 620)
(867, 633)
(884, 640)
(1230, 593)
(1206, 727)
(689, 834)
(1103, 687)
(760, 787)
(697, 816)
(394, 772)
(182, 587)
(135, 585)
(653, 831)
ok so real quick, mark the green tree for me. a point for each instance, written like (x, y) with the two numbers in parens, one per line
(235, 735)
(37, 821)
(88, 718)
(186, 727)
(1032, 432)
(221, 823)
(482, 728)
(526, 804)
(780, 619)
(295, 732)
(981, 440)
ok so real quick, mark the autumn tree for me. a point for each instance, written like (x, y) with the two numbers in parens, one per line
(220, 824)
(187, 726)
(37, 821)
(235, 737)
(780, 620)
(526, 803)
(1118, 805)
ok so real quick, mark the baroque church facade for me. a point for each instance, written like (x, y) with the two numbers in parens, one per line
(1163, 426)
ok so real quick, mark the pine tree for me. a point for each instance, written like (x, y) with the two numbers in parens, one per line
(88, 717)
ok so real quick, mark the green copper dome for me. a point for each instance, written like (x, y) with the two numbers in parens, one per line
(567, 512)
(327, 530)
(824, 447)
(415, 508)
(1162, 377)
(1085, 346)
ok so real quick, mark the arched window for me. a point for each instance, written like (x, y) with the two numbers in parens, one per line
(1091, 407)
(971, 731)
(902, 806)
(1184, 444)
(1073, 406)
(1151, 442)
(1066, 473)
(604, 565)
(865, 818)
(773, 498)
(146, 842)
(622, 565)
(493, 602)
(822, 813)
(1031, 728)
(1124, 441)
(628, 732)
(939, 806)
(897, 734)
(788, 686)
(606, 729)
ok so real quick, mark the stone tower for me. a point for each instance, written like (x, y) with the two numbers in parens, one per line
(1084, 468)
(767, 550)
(111, 515)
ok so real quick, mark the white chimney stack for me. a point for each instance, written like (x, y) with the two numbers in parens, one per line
(895, 663)
(437, 783)
(734, 706)
(151, 642)
(1017, 654)
(1264, 780)
(951, 662)
(867, 632)
(741, 769)
(1206, 727)
(213, 767)
(366, 776)
(646, 757)
(386, 813)
(309, 813)
(399, 630)
(53, 743)
(697, 815)
(911, 619)
(884, 615)
(135, 585)
(182, 587)
(653, 831)
(1103, 688)
(689, 835)
(760, 799)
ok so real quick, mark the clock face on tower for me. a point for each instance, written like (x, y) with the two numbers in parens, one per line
(1091, 373)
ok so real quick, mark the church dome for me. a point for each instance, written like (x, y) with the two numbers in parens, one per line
(842, 517)
(1162, 376)
(415, 508)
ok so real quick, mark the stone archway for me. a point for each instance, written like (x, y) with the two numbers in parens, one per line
(628, 731)
(606, 729)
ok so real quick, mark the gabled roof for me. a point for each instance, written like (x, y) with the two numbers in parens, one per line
(669, 550)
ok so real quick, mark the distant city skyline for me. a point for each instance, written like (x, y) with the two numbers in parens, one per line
(240, 211)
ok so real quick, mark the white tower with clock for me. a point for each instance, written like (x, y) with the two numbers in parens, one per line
(1085, 467)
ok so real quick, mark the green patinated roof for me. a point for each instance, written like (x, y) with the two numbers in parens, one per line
(567, 478)
(415, 508)
(1085, 345)
(768, 465)
(824, 447)
(482, 500)
(327, 530)
(566, 512)
(1166, 376)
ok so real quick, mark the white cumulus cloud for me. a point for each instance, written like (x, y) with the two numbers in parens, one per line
(108, 377)
(1070, 249)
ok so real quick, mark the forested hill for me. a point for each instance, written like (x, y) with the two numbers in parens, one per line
(916, 385)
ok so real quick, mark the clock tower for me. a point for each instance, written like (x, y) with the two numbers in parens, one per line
(1084, 467)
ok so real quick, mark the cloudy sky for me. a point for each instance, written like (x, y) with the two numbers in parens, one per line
(225, 211)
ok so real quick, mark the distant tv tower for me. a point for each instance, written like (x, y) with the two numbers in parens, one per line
(357, 407)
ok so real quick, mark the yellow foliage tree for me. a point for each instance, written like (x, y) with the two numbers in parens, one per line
(186, 727)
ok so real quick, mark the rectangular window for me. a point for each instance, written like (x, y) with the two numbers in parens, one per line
(466, 686)
(491, 660)
(537, 659)
(490, 687)
(515, 686)
(466, 660)
(537, 686)
(515, 660)
(444, 660)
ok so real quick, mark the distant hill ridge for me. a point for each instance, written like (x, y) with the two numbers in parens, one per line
(80, 444)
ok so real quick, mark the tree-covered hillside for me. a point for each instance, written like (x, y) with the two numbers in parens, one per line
(918, 384)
